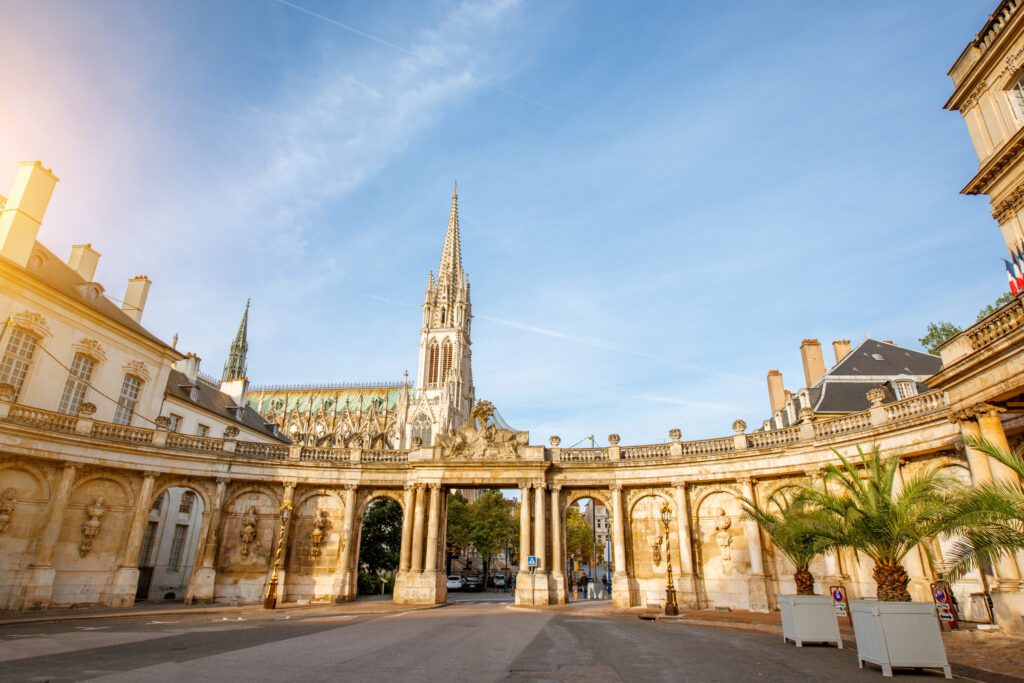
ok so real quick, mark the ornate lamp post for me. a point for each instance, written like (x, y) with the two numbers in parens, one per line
(671, 606)
(270, 602)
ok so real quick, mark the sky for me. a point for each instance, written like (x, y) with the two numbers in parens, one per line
(658, 202)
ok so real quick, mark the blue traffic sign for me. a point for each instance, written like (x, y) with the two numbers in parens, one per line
(532, 561)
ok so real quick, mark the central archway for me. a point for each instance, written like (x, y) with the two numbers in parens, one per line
(379, 546)
(586, 547)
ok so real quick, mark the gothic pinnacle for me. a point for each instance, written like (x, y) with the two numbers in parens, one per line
(234, 367)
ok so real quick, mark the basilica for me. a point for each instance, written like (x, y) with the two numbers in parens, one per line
(399, 414)
(127, 473)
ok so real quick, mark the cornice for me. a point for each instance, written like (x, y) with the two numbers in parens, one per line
(994, 169)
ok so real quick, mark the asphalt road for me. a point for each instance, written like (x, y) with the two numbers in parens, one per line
(467, 641)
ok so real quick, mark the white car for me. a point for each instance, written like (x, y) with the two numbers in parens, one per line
(456, 583)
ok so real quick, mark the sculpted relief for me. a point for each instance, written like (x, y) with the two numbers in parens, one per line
(477, 440)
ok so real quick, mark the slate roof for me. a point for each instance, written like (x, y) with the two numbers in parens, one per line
(220, 404)
(874, 358)
(62, 277)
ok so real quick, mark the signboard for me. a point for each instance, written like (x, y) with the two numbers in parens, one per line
(943, 599)
(532, 561)
(839, 601)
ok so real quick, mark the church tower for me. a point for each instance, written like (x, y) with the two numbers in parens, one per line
(444, 383)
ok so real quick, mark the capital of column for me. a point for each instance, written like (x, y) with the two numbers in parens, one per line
(526, 485)
(349, 487)
(615, 486)
(555, 488)
(746, 481)
(150, 475)
(421, 486)
(409, 486)
(435, 486)
(975, 411)
(70, 466)
(815, 473)
(679, 484)
(223, 481)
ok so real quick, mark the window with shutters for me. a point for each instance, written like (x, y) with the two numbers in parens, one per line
(178, 540)
(21, 346)
(446, 360)
(76, 384)
(130, 388)
(188, 499)
(432, 364)
(173, 423)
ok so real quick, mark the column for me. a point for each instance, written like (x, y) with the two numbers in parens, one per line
(913, 564)
(687, 575)
(201, 588)
(524, 581)
(417, 530)
(991, 426)
(978, 461)
(39, 584)
(540, 529)
(433, 527)
(620, 574)
(405, 559)
(346, 575)
(126, 579)
(524, 525)
(758, 579)
(557, 546)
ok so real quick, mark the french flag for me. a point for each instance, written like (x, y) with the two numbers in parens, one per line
(1012, 277)
(1018, 267)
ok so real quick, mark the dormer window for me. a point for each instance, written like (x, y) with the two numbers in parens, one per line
(905, 389)
(193, 393)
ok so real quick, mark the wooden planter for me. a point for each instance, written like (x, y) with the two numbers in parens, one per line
(898, 634)
(809, 619)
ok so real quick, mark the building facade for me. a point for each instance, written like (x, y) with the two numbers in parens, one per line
(88, 445)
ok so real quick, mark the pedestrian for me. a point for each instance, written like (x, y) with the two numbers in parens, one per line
(591, 590)
(583, 585)
(575, 589)
(607, 588)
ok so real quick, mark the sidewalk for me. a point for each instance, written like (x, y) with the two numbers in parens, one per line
(982, 655)
(373, 605)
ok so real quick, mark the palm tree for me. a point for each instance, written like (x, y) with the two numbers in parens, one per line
(863, 510)
(987, 520)
(784, 517)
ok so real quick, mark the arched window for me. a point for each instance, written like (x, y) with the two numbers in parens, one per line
(432, 364)
(1016, 94)
(446, 362)
(17, 357)
(421, 430)
(76, 384)
(444, 315)
(130, 389)
(188, 499)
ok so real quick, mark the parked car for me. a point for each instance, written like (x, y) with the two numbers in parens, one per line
(456, 583)
(474, 583)
(498, 580)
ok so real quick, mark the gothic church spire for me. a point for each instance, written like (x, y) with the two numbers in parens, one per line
(451, 255)
(234, 368)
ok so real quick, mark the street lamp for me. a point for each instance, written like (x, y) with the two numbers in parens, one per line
(671, 606)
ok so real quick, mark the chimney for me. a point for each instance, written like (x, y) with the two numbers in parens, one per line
(189, 366)
(135, 297)
(23, 211)
(776, 392)
(83, 260)
(237, 389)
(814, 362)
(841, 348)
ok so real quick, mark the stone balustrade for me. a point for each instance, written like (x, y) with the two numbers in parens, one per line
(848, 425)
(997, 325)
(202, 444)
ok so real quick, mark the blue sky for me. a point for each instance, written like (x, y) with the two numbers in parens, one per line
(658, 201)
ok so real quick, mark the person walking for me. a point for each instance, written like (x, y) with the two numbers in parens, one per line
(607, 588)
(591, 590)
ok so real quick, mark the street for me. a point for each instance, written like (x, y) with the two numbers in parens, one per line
(480, 640)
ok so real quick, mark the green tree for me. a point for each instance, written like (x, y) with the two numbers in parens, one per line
(459, 533)
(864, 510)
(784, 517)
(996, 305)
(936, 334)
(987, 520)
(579, 536)
(381, 542)
(492, 526)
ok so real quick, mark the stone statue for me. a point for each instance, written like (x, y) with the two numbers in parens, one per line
(316, 536)
(6, 507)
(248, 533)
(91, 528)
(478, 440)
(722, 535)
(656, 549)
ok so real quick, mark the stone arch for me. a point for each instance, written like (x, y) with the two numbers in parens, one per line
(603, 497)
(27, 488)
(365, 499)
(316, 541)
(721, 546)
(173, 539)
(649, 546)
(249, 528)
(201, 487)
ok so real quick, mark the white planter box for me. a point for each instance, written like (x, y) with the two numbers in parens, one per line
(898, 634)
(809, 619)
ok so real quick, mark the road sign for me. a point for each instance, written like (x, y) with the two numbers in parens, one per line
(532, 561)
(839, 601)
(943, 599)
